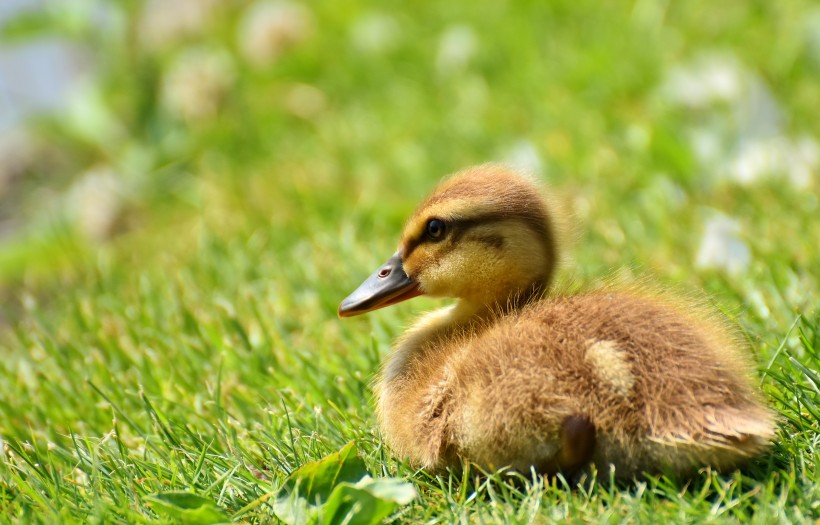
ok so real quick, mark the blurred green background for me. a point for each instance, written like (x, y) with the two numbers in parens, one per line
(217, 175)
(655, 117)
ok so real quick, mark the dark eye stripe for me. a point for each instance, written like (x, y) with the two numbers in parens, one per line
(463, 226)
(456, 229)
(533, 217)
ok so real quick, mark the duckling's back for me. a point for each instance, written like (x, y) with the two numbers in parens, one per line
(650, 386)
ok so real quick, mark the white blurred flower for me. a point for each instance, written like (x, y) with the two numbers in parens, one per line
(796, 160)
(268, 28)
(739, 133)
(197, 83)
(95, 202)
(804, 161)
(164, 22)
(716, 82)
(755, 299)
(758, 114)
(375, 33)
(722, 248)
(90, 116)
(709, 79)
(754, 161)
(456, 48)
(524, 155)
(80, 477)
(707, 145)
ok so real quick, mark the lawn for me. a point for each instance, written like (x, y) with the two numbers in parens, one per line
(182, 233)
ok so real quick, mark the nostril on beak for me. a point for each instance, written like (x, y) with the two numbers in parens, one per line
(384, 272)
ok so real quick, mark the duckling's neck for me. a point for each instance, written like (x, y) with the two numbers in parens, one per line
(423, 343)
(425, 337)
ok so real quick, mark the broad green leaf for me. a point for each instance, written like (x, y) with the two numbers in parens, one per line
(391, 489)
(189, 508)
(295, 510)
(315, 481)
(367, 502)
(337, 489)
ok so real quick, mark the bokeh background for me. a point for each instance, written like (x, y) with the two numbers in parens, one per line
(189, 187)
(661, 119)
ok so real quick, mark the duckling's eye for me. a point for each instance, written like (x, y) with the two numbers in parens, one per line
(435, 229)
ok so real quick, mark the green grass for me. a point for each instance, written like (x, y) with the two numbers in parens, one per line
(198, 349)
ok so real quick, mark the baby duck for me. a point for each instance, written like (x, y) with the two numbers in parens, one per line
(511, 377)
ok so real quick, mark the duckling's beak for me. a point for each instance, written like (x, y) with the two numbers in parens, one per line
(388, 285)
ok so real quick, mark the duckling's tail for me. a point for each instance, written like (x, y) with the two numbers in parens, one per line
(747, 432)
(723, 438)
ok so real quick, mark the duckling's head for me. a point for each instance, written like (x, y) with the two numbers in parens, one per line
(484, 236)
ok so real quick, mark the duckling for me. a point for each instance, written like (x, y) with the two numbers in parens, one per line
(511, 376)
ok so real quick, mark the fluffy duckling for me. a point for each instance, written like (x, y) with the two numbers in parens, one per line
(511, 377)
